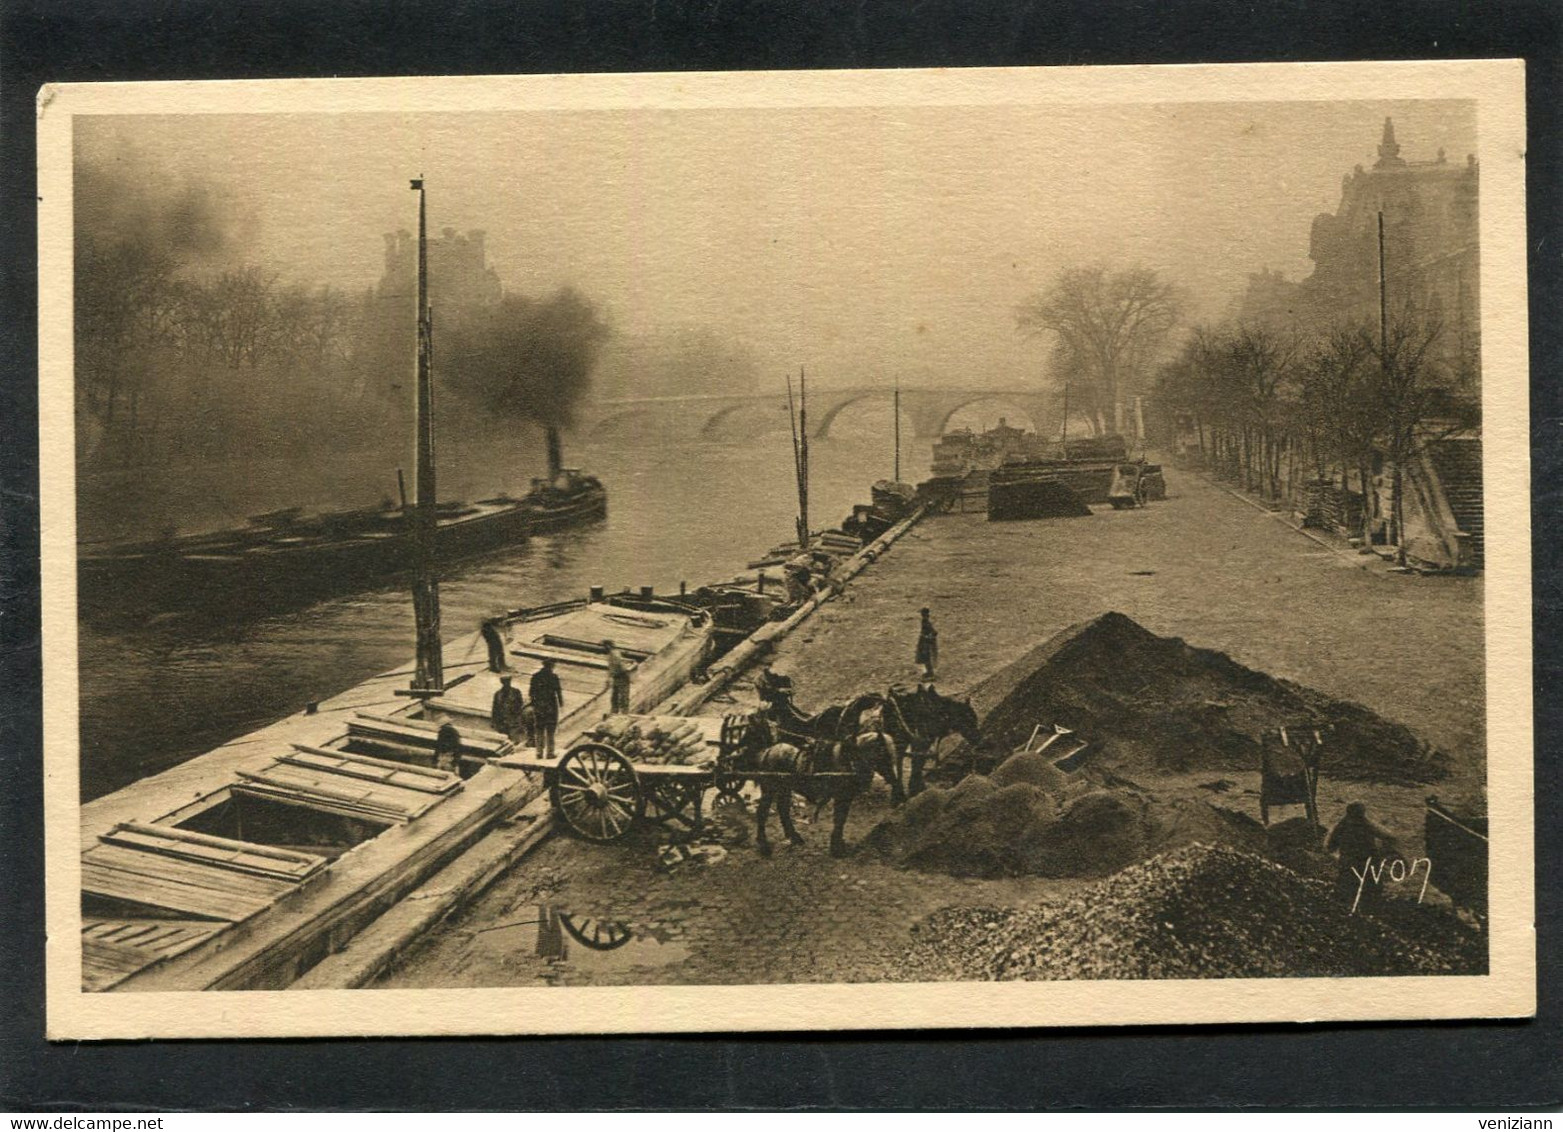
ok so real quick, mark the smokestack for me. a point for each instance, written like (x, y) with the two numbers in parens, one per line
(555, 455)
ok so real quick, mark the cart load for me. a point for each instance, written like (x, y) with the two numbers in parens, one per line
(657, 740)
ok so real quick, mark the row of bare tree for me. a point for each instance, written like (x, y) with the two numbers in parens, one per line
(1263, 402)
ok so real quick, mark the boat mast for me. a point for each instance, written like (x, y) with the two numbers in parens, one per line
(898, 430)
(429, 672)
(803, 448)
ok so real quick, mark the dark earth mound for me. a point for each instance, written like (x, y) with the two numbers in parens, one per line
(1151, 703)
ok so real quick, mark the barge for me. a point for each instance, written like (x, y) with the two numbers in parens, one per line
(243, 867)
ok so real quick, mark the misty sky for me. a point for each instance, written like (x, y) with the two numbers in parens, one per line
(863, 243)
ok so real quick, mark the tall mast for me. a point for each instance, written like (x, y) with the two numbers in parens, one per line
(429, 672)
(803, 447)
(898, 430)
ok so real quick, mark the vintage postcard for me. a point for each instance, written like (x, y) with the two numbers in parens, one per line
(786, 551)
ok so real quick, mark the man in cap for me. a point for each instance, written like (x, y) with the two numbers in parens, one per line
(547, 702)
(508, 712)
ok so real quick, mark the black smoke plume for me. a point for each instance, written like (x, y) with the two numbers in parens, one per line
(524, 358)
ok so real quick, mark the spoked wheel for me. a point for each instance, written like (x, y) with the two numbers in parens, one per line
(598, 935)
(597, 793)
(730, 784)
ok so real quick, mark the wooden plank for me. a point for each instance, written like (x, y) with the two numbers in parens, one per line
(535, 651)
(242, 856)
(108, 959)
(425, 780)
(195, 900)
(424, 731)
(307, 788)
(594, 646)
(160, 866)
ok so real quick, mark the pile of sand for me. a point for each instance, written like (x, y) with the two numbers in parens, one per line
(1029, 818)
(1198, 912)
(1151, 703)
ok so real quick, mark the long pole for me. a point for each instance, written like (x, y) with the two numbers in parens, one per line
(897, 432)
(1063, 436)
(797, 461)
(803, 445)
(429, 671)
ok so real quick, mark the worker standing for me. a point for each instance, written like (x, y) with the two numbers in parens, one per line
(547, 703)
(508, 710)
(493, 631)
(928, 646)
(618, 680)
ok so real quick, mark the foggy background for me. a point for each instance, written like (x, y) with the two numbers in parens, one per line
(633, 253)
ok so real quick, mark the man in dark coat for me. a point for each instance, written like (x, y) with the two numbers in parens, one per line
(547, 700)
(507, 715)
(928, 646)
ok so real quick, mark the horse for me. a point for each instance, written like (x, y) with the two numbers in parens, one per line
(783, 769)
(918, 718)
(859, 720)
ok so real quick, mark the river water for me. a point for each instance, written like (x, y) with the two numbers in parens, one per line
(156, 694)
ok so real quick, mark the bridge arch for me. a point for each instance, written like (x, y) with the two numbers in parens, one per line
(616, 421)
(835, 409)
(713, 424)
(943, 414)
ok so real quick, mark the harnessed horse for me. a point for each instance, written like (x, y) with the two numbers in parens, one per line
(859, 721)
(820, 769)
(918, 718)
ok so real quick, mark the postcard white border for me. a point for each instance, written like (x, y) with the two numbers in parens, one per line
(1508, 990)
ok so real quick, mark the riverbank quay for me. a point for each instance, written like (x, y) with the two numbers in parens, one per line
(1200, 565)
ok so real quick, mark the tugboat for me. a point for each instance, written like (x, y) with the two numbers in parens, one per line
(567, 496)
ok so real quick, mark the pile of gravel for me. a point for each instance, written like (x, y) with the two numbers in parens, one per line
(1198, 912)
(1152, 703)
(1030, 819)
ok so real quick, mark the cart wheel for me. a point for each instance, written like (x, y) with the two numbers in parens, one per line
(598, 935)
(597, 793)
(729, 784)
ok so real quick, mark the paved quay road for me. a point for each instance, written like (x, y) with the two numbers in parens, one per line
(1203, 565)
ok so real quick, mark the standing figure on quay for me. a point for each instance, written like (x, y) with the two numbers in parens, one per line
(928, 646)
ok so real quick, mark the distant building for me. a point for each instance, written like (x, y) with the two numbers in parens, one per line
(1431, 257)
(459, 275)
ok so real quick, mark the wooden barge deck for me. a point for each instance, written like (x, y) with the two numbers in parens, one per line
(241, 868)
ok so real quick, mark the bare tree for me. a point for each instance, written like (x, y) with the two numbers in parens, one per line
(1108, 322)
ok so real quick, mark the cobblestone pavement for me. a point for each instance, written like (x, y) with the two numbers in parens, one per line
(1201, 565)
(800, 916)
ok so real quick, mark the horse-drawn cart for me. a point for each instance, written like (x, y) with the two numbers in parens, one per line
(608, 782)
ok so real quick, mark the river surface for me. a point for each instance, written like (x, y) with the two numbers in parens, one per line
(156, 694)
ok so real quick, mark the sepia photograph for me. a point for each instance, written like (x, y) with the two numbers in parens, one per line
(722, 552)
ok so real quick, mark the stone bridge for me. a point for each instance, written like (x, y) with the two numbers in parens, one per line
(716, 414)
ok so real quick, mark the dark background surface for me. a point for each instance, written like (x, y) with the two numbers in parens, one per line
(1483, 1066)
